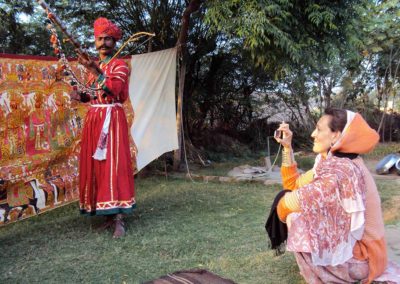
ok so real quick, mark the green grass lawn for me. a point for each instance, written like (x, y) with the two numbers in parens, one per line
(383, 149)
(177, 225)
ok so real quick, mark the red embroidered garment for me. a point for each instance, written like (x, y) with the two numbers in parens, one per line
(107, 186)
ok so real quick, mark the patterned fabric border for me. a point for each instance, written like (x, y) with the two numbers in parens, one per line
(40, 130)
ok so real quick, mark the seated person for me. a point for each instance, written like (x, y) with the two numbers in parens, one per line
(333, 212)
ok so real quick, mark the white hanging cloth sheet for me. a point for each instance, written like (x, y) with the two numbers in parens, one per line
(152, 94)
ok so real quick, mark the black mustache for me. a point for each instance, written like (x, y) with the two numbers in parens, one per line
(103, 46)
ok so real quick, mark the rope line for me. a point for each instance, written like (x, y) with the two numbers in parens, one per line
(276, 158)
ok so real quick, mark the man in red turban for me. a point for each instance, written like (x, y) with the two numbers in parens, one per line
(106, 171)
(104, 26)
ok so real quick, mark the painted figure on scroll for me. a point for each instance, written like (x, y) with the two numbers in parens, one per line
(106, 170)
(333, 212)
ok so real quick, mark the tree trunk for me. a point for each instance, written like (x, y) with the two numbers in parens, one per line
(379, 94)
(178, 152)
(390, 126)
(193, 6)
(327, 86)
(320, 91)
(385, 96)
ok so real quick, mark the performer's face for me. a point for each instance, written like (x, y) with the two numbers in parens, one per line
(323, 136)
(105, 45)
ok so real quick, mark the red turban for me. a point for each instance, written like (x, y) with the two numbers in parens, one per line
(104, 26)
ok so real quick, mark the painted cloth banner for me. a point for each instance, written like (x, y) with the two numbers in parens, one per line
(40, 127)
(152, 92)
(40, 130)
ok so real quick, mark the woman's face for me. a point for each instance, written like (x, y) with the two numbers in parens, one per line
(323, 136)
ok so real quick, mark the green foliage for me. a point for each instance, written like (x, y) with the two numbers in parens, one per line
(292, 52)
(381, 23)
(283, 32)
(11, 28)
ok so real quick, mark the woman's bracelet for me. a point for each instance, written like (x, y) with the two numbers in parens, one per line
(287, 157)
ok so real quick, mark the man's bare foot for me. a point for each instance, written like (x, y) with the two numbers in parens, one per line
(119, 230)
(108, 223)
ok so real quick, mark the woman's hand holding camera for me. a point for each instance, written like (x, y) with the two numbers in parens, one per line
(284, 135)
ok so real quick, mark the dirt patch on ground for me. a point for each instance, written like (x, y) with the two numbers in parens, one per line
(393, 212)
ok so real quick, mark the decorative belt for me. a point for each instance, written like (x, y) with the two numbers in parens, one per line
(101, 149)
(107, 105)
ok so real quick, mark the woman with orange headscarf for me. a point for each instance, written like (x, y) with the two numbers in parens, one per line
(333, 212)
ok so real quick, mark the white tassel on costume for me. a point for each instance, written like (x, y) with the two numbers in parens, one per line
(101, 150)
